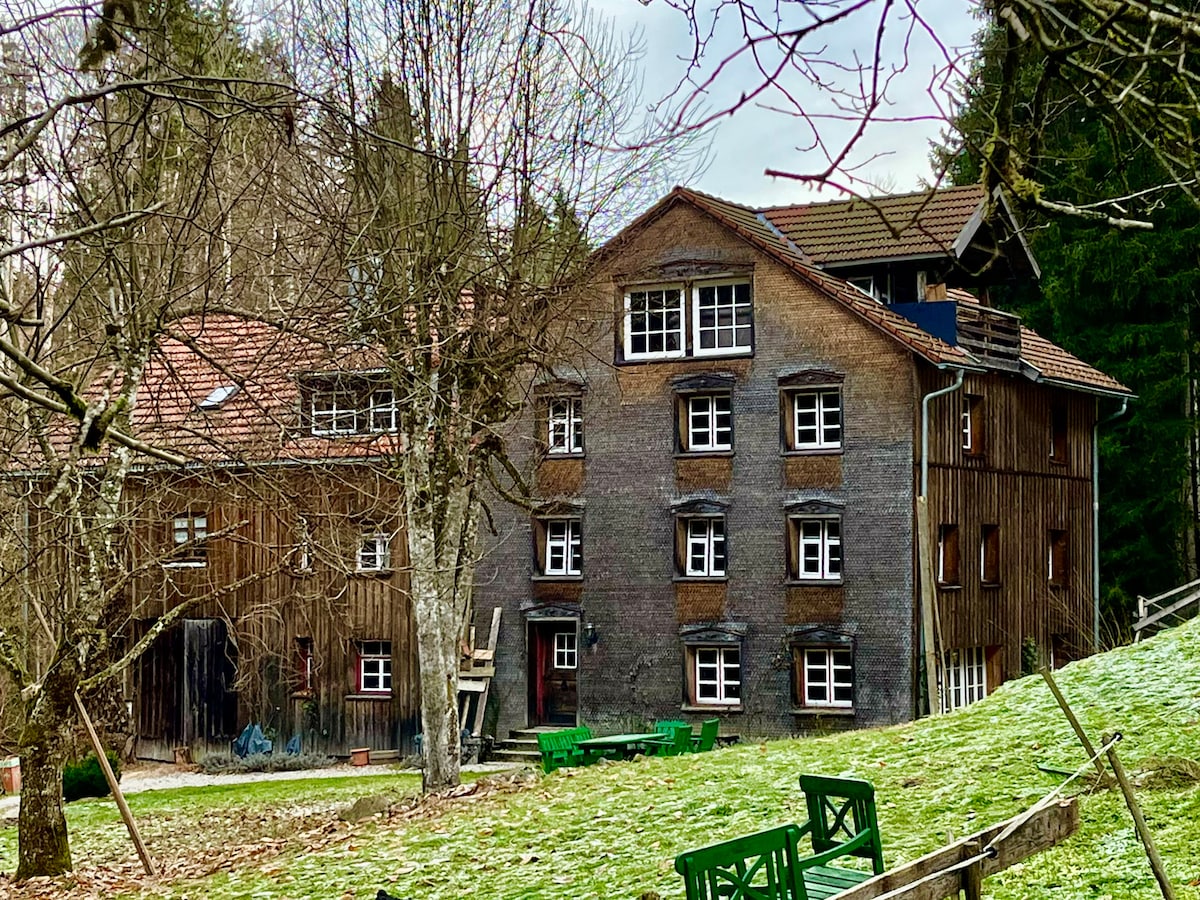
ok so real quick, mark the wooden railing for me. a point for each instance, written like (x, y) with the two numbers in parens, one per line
(992, 335)
(1156, 611)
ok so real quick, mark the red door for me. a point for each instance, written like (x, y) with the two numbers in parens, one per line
(553, 664)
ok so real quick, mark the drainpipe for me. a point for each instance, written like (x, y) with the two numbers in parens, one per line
(1096, 519)
(958, 383)
(925, 551)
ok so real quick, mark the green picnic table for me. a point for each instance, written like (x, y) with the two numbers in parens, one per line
(623, 745)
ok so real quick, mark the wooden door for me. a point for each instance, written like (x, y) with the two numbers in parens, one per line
(209, 708)
(553, 668)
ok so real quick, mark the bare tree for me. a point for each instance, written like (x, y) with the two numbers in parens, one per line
(130, 181)
(478, 155)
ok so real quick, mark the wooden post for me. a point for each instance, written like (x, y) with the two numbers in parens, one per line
(126, 815)
(972, 878)
(1079, 732)
(928, 596)
(1139, 823)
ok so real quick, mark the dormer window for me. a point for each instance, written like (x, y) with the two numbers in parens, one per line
(703, 318)
(349, 405)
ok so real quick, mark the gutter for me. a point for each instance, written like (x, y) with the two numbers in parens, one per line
(1096, 519)
(958, 383)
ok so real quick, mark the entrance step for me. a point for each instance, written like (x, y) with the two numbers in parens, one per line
(522, 745)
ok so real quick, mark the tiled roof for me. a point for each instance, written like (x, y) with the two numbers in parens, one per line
(861, 230)
(261, 420)
(1056, 364)
(760, 231)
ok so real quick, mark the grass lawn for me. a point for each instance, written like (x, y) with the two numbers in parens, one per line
(614, 830)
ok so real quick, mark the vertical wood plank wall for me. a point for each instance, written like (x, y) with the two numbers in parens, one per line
(1013, 483)
(328, 603)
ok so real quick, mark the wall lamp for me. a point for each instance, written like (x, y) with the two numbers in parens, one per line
(590, 635)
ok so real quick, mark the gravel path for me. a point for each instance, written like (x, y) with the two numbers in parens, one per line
(148, 776)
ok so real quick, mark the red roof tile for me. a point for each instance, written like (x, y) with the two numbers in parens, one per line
(917, 224)
(1056, 364)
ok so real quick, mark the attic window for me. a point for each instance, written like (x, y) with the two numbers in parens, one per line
(219, 395)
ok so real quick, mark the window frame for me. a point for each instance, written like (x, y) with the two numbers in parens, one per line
(571, 423)
(948, 571)
(569, 544)
(1059, 434)
(802, 667)
(697, 328)
(825, 544)
(971, 424)
(713, 415)
(665, 311)
(821, 444)
(566, 658)
(962, 677)
(721, 683)
(193, 525)
(380, 658)
(714, 546)
(332, 412)
(389, 409)
(1058, 557)
(306, 669)
(989, 554)
(382, 555)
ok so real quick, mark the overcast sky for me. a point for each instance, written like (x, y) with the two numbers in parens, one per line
(757, 138)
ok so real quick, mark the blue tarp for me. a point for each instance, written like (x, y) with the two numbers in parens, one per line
(251, 742)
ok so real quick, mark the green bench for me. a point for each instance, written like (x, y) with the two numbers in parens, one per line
(707, 738)
(768, 865)
(561, 748)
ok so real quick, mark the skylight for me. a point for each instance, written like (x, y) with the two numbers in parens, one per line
(219, 396)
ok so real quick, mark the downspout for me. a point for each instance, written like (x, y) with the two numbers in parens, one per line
(925, 550)
(1096, 519)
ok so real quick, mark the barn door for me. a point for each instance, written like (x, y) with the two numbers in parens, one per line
(553, 668)
(209, 705)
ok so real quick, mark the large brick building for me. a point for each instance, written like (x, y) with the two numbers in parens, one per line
(728, 465)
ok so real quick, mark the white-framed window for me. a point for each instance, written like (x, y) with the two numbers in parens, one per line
(334, 411)
(826, 676)
(566, 650)
(722, 318)
(866, 284)
(305, 666)
(966, 678)
(972, 423)
(374, 552)
(816, 547)
(948, 556)
(817, 419)
(564, 547)
(654, 323)
(382, 410)
(564, 425)
(188, 533)
(709, 422)
(704, 546)
(375, 667)
(716, 675)
(713, 318)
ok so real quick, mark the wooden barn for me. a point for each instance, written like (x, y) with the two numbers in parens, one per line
(285, 538)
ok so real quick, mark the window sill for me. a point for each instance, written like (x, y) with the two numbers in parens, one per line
(186, 564)
(992, 585)
(304, 695)
(545, 578)
(842, 711)
(1058, 462)
(814, 451)
(376, 696)
(814, 582)
(710, 708)
(623, 360)
(700, 579)
(373, 573)
(699, 454)
(949, 587)
(550, 454)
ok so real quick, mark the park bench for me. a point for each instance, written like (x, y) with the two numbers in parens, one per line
(561, 748)
(678, 740)
(768, 865)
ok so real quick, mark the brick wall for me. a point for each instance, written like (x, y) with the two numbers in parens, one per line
(631, 479)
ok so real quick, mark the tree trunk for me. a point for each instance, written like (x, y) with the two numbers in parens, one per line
(43, 848)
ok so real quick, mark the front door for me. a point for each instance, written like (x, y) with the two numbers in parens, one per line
(553, 664)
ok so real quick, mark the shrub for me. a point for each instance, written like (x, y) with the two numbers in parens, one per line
(85, 778)
(224, 763)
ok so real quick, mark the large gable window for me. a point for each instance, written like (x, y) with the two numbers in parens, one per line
(654, 323)
(722, 321)
(703, 318)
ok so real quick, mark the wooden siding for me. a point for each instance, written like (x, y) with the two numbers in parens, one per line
(328, 602)
(1014, 484)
